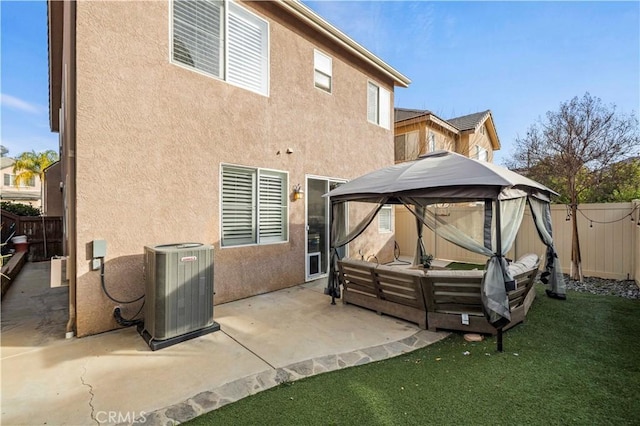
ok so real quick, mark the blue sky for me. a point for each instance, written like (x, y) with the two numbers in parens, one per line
(519, 59)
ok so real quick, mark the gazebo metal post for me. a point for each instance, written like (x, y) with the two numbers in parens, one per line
(331, 251)
(499, 251)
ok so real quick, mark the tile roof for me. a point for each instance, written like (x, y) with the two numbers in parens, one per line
(405, 114)
(6, 162)
(468, 122)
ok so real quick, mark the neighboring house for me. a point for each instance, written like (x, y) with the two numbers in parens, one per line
(175, 129)
(418, 132)
(27, 193)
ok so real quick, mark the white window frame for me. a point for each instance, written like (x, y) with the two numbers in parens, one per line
(382, 107)
(256, 238)
(432, 141)
(482, 154)
(323, 67)
(31, 183)
(385, 210)
(240, 12)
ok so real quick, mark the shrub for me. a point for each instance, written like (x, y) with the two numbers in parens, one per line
(20, 209)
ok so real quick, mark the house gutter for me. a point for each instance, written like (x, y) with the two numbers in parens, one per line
(314, 20)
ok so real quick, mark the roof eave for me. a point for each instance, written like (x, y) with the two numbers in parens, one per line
(55, 10)
(316, 21)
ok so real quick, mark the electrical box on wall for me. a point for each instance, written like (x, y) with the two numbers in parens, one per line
(99, 248)
(98, 253)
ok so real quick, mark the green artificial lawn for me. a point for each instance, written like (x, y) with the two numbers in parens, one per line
(572, 362)
(460, 266)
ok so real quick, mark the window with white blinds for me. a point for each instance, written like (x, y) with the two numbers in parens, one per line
(384, 219)
(378, 105)
(322, 65)
(237, 52)
(254, 206)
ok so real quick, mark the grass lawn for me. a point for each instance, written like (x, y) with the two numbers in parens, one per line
(461, 266)
(571, 362)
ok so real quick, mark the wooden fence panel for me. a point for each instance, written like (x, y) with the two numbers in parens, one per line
(44, 234)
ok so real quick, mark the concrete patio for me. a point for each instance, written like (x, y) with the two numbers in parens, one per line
(114, 378)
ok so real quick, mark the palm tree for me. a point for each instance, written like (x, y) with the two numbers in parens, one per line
(31, 164)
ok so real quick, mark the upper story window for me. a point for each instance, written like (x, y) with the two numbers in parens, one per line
(432, 141)
(10, 180)
(378, 105)
(407, 146)
(223, 40)
(481, 154)
(254, 206)
(322, 76)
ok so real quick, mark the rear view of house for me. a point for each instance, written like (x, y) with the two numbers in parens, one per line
(219, 122)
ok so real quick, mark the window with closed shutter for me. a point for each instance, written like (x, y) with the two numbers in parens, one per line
(254, 206)
(238, 206)
(238, 53)
(247, 41)
(273, 207)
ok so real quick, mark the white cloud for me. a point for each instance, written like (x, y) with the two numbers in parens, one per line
(19, 104)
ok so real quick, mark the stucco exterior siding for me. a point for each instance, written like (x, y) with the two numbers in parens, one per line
(151, 137)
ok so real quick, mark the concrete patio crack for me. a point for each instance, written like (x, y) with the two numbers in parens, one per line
(258, 356)
(93, 409)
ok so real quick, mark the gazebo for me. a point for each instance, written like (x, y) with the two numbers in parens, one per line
(448, 177)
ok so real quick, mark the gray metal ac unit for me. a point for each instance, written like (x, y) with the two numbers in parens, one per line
(178, 293)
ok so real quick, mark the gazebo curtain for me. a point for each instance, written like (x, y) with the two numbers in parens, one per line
(552, 275)
(497, 279)
(340, 238)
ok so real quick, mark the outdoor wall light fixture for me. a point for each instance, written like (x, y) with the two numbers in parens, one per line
(298, 193)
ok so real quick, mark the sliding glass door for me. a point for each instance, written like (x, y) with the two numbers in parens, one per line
(317, 226)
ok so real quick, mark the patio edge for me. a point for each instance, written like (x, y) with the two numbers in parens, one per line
(213, 399)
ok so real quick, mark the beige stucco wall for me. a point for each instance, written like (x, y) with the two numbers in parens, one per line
(151, 137)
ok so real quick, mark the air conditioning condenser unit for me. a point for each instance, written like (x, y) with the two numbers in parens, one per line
(178, 294)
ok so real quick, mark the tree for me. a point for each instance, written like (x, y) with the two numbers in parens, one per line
(3, 150)
(31, 164)
(618, 183)
(574, 150)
